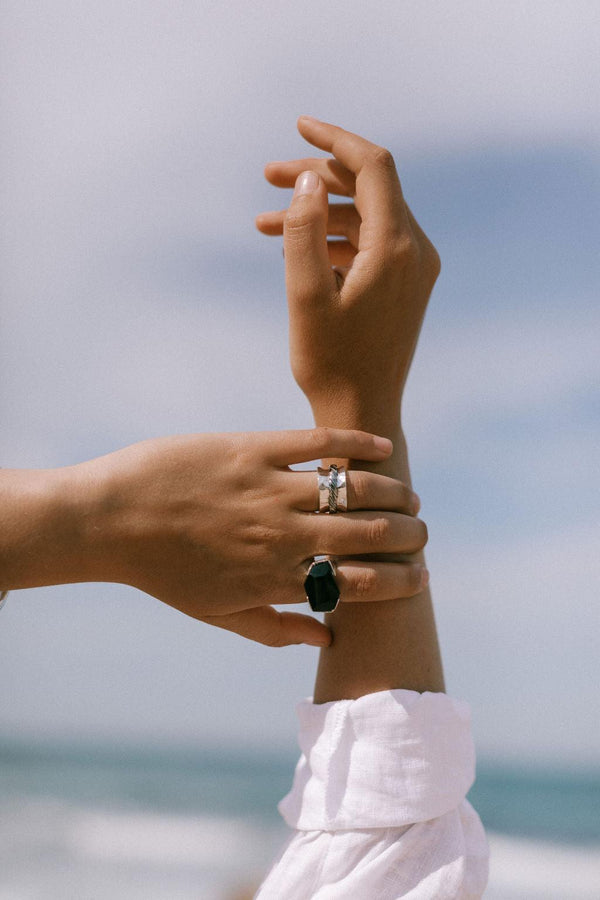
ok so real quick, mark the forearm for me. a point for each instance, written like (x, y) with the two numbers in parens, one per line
(43, 528)
(390, 644)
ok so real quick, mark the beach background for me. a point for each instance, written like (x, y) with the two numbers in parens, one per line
(142, 754)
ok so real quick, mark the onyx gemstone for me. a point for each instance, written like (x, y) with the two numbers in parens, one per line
(321, 587)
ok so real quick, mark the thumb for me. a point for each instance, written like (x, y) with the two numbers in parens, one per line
(273, 628)
(308, 274)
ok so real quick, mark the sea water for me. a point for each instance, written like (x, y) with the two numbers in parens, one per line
(82, 822)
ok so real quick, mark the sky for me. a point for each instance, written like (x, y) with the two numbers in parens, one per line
(138, 300)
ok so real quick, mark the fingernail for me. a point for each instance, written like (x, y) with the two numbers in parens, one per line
(308, 118)
(307, 183)
(383, 444)
(424, 578)
(416, 503)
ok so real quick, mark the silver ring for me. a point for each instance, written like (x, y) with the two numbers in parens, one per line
(341, 494)
(320, 585)
(333, 495)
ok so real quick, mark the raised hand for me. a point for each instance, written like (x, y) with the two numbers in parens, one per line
(357, 304)
(356, 307)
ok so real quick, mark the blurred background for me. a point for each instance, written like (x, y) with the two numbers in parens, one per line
(142, 754)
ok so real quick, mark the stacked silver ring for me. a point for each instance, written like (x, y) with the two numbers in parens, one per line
(320, 585)
(333, 495)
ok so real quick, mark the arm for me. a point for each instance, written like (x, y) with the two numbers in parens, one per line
(381, 783)
(392, 644)
(217, 526)
(353, 333)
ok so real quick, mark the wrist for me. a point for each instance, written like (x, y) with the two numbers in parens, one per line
(378, 413)
(381, 417)
(94, 510)
(40, 542)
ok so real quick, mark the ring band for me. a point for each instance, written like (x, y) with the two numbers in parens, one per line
(333, 495)
(341, 495)
(320, 585)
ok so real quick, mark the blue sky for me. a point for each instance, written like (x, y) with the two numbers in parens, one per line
(139, 300)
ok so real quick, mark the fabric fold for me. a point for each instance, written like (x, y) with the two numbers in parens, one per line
(385, 760)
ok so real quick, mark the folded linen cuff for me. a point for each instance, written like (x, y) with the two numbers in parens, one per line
(386, 760)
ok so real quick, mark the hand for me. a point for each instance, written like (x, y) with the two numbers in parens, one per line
(219, 527)
(353, 327)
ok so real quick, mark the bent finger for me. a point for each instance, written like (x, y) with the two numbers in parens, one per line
(360, 582)
(360, 533)
(273, 628)
(378, 194)
(343, 220)
(365, 490)
(338, 179)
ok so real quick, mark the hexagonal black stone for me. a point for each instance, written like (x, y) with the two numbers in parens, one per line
(321, 588)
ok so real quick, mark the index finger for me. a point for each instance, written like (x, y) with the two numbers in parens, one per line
(378, 197)
(289, 447)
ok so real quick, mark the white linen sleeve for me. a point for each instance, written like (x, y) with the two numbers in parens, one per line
(378, 803)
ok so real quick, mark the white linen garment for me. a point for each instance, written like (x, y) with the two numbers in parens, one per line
(378, 803)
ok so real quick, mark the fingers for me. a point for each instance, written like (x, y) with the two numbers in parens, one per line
(378, 196)
(308, 274)
(341, 253)
(337, 178)
(357, 534)
(275, 629)
(360, 169)
(365, 490)
(360, 582)
(284, 448)
(342, 221)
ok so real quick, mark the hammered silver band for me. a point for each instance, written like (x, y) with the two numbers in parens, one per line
(341, 493)
(333, 495)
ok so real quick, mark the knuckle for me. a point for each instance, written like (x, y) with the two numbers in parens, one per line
(358, 484)
(298, 221)
(274, 635)
(365, 582)
(322, 438)
(384, 159)
(430, 260)
(272, 639)
(362, 442)
(434, 260)
(415, 579)
(404, 251)
(406, 497)
(422, 534)
(378, 532)
(262, 540)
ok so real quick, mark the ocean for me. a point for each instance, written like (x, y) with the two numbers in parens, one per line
(99, 822)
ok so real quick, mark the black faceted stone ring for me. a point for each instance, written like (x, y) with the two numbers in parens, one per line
(320, 585)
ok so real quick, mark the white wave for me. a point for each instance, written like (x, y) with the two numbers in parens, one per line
(126, 836)
(165, 840)
(52, 850)
(523, 869)
(150, 855)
